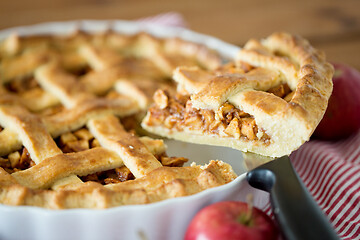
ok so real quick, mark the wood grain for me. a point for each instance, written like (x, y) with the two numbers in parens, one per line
(331, 25)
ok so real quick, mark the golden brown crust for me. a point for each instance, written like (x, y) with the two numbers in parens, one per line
(51, 86)
(30, 131)
(109, 132)
(160, 184)
(261, 66)
(64, 165)
(62, 85)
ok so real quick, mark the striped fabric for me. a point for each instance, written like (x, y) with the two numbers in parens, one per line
(330, 170)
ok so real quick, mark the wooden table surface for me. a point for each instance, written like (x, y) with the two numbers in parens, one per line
(331, 25)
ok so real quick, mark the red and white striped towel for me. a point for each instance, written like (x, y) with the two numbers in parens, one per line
(330, 170)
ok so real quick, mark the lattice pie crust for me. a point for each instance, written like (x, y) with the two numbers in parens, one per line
(70, 109)
(68, 113)
(268, 101)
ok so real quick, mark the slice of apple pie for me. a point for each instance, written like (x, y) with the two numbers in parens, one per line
(268, 101)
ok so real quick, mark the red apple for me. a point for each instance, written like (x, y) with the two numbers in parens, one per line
(231, 220)
(342, 117)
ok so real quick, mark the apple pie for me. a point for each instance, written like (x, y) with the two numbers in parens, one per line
(267, 101)
(69, 108)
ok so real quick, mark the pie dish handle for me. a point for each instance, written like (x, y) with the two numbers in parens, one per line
(298, 215)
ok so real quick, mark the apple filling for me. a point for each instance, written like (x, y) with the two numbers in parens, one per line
(176, 112)
(21, 85)
(16, 161)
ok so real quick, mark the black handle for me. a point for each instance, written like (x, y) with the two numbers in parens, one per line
(297, 214)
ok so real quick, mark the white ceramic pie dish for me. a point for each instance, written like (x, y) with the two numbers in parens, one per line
(163, 220)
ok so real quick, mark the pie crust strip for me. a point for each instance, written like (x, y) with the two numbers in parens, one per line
(111, 134)
(45, 173)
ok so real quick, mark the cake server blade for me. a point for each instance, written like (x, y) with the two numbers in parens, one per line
(298, 215)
